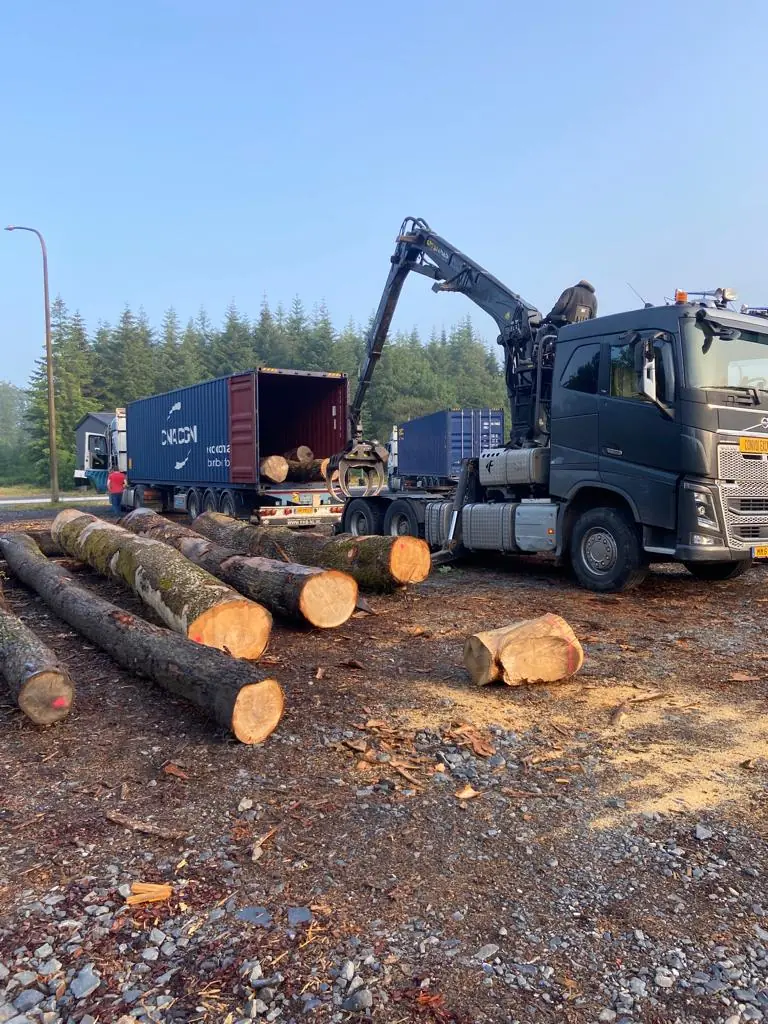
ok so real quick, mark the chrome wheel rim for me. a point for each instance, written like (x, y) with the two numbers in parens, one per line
(599, 551)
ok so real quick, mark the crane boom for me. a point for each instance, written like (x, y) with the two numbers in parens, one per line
(420, 250)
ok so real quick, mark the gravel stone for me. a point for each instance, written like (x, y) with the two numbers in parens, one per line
(85, 982)
(358, 1001)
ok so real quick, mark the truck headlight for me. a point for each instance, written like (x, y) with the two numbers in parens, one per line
(705, 510)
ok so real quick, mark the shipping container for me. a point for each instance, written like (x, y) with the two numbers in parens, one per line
(434, 445)
(215, 433)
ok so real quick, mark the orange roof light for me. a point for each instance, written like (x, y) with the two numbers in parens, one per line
(680, 296)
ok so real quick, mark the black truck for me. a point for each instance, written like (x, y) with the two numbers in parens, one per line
(636, 437)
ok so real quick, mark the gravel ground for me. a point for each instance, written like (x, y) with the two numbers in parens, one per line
(610, 864)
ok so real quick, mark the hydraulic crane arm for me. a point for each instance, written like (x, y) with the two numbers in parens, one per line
(421, 251)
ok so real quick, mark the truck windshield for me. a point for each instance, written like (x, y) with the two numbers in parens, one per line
(737, 362)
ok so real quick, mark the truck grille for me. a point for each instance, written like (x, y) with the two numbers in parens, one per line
(743, 487)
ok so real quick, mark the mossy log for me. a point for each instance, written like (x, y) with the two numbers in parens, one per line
(39, 684)
(377, 563)
(544, 649)
(188, 599)
(321, 597)
(231, 692)
(305, 472)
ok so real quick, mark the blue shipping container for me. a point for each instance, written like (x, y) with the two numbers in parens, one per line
(434, 445)
(180, 437)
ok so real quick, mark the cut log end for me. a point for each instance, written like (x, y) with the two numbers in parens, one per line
(47, 697)
(480, 662)
(257, 711)
(241, 628)
(409, 560)
(328, 599)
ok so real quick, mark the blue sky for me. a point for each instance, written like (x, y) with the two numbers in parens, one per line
(183, 152)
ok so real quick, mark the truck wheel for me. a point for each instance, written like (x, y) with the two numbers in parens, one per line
(717, 570)
(362, 518)
(228, 505)
(605, 551)
(400, 520)
(194, 504)
(210, 502)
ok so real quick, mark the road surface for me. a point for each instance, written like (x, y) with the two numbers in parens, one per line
(75, 499)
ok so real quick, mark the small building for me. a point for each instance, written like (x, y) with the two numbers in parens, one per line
(91, 448)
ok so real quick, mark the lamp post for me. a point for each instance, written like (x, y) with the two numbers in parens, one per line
(49, 364)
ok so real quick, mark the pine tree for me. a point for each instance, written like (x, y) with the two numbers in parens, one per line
(13, 405)
(232, 348)
(170, 369)
(191, 356)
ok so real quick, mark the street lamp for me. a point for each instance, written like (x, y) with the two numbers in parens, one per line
(49, 364)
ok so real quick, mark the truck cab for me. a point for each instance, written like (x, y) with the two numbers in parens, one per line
(688, 466)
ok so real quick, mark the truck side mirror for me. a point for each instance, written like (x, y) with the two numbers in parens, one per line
(645, 366)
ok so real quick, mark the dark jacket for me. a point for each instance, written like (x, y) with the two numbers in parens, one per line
(575, 304)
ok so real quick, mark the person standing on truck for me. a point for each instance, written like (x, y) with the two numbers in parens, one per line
(574, 305)
(115, 486)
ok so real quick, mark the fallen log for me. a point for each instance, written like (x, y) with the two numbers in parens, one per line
(301, 454)
(544, 649)
(304, 472)
(321, 597)
(188, 599)
(39, 684)
(274, 468)
(231, 692)
(46, 543)
(377, 563)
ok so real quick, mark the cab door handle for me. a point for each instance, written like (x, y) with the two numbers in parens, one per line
(613, 451)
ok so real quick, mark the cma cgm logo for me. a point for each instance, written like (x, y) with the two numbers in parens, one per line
(178, 435)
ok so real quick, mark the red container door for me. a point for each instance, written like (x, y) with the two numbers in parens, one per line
(242, 429)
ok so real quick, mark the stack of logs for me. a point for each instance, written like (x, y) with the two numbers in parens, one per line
(298, 465)
(215, 589)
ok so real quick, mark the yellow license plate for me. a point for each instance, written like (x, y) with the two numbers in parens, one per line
(754, 445)
(760, 552)
(304, 511)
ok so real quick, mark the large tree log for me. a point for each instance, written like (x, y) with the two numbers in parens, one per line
(188, 599)
(231, 692)
(531, 650)
(41, 687)
(274, 468)
(302, 472)
(377, 563)
(301, 454)
(322, 597)
(46, 543)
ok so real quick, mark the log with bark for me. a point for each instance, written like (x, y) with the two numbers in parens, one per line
(187, 599)
(274, 468)
(46, 543)
(321, 597)
(40, 685)
(301, 454)
(377, 563)
(306, 472)
(544, 649)
(231, 692)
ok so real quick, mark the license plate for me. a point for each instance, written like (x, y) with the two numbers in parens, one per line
(754, 445)
(304, 511)
(760, 552)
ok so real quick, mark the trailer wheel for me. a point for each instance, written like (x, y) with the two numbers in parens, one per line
(228, 504)
(717, 570)
(363, 518)
(606, 553)
(194, 503)
(210, 502)
(401, 520)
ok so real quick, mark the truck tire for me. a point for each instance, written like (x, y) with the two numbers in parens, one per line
(228, 504)
(713, 571)
(194, 503)
(363, 518)
(401, 520)
(605, 551)
(210, 501)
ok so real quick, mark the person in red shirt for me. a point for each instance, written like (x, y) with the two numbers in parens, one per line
(115, 485)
